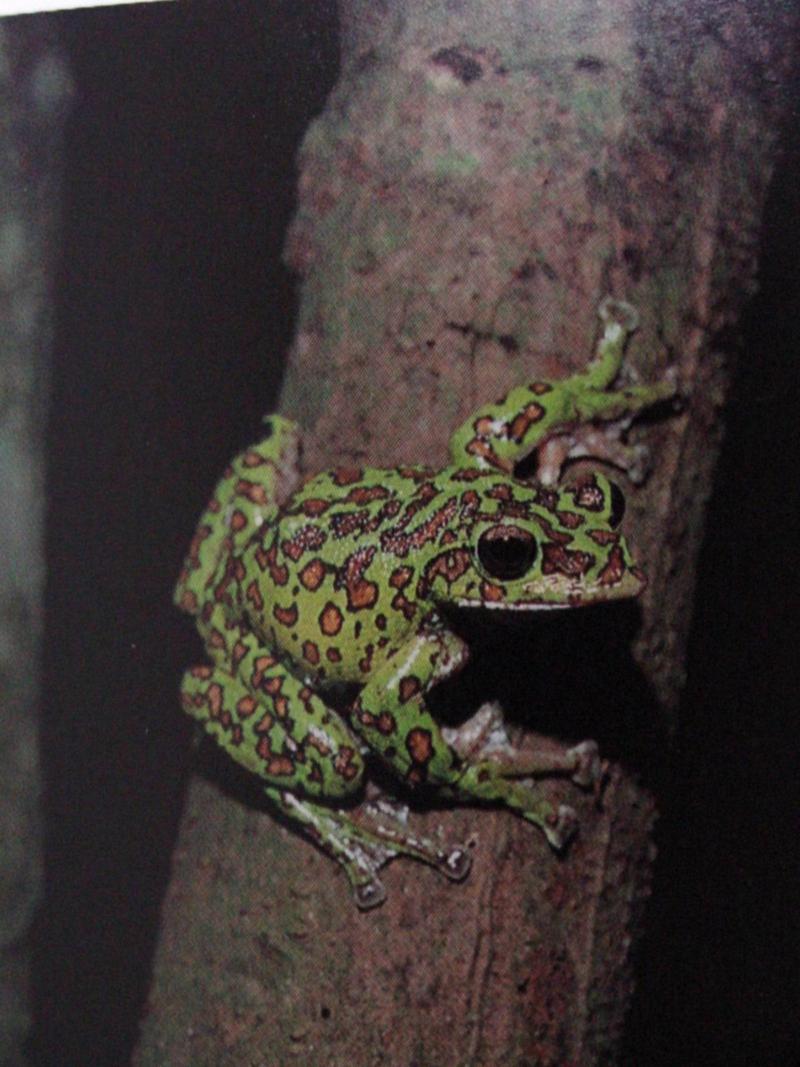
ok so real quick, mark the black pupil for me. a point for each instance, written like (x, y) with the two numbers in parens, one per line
(506, 552)
(617, 506)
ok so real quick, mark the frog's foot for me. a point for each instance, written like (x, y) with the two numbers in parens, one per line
(560, 826)
(369, 894)
(483, 734)
(362, 850)
(360, 853)
(509, 775)
(582, 763)
(589, 769)
(362, 864)
(491, 782)
(369, 890)
(636, 460)
(389, 821)
(593, 442)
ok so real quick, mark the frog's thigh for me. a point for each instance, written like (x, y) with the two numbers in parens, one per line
(258, 477)
(249, 493)
(302, 750)
(286, 735)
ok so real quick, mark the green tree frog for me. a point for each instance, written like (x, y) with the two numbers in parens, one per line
(297, 586)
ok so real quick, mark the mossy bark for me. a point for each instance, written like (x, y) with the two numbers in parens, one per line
(482, 175)
(33, 90)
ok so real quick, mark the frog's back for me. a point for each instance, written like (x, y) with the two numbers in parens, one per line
(358, 487)
(330, 584)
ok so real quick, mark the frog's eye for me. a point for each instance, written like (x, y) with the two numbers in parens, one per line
(506, 552)
(617, 511)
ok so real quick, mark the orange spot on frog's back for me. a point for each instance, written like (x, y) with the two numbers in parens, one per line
(286, 616)
(330, 620)
(311, 653)
(313, 574)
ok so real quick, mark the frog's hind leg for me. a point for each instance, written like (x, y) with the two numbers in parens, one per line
(249, 493)
(308, 759)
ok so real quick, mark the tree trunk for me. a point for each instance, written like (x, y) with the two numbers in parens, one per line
(482, 175)
(33, 90)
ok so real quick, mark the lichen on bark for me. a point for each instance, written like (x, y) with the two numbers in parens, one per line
(482, 175)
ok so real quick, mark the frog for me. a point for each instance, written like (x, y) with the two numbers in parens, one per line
(305, 587)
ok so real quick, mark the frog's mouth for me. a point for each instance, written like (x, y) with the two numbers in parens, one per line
(528, 606)
(555, 593)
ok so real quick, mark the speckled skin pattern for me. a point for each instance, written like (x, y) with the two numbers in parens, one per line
(342, 579)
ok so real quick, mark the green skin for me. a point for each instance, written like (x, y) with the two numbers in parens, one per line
(342, 580)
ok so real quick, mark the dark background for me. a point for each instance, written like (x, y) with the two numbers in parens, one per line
(173, 317)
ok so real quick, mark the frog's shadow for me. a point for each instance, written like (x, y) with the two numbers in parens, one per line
(567, 675)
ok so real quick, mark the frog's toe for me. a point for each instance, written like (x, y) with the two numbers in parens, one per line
(456, 863)
(561, 826)
(638, 463)
(613, 310)
(369, 894)
(589, 768)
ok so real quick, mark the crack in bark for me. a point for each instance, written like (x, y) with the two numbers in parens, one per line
(483, 950)
(584, 964)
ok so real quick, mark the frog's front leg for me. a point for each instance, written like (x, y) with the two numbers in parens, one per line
(308, 759)
(390, 713)
(566, 419)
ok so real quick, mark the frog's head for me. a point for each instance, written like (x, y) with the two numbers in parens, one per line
(522, 547)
